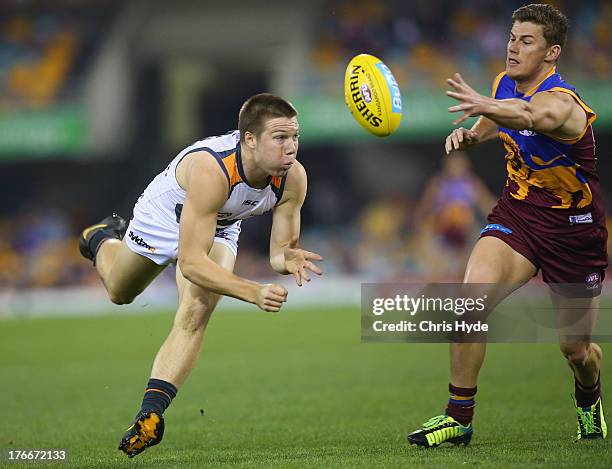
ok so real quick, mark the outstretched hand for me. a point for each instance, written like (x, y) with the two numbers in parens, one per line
(472, 103)
(299, 261)
(460, 139)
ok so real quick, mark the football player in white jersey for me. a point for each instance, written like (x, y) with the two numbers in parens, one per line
(190, 214)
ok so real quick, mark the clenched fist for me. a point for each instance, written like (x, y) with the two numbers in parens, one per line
(271, 297)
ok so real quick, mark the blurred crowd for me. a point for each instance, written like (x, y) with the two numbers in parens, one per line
(402, 236)
(44, 50)
(425, 41)
(40, 250)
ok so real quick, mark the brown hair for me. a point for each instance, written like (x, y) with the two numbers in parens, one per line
(258, 109)
(553, 22)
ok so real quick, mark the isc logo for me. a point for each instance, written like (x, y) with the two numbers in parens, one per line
(252, 203)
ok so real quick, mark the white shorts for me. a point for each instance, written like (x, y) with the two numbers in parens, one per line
(148, 236)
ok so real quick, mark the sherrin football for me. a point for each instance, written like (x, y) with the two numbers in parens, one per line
(372, 95)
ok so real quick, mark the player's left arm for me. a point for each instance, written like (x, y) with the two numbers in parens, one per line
(552, 113)
(286, 256)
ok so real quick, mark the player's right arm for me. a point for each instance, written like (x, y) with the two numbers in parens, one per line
(206, 188)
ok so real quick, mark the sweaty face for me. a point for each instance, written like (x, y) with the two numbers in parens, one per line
(277, 145)
(527, 51)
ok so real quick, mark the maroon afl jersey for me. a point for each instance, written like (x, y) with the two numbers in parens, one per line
(552, 173)
(551, 209)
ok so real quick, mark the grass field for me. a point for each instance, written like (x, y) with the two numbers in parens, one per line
(297, 389)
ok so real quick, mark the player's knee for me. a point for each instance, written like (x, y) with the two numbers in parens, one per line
(119, 297)
(576, 354)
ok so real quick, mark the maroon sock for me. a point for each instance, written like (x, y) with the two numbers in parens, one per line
(461, 404)
(585, 396)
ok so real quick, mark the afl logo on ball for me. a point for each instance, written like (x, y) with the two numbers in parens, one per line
(366, 93)
(593, 281)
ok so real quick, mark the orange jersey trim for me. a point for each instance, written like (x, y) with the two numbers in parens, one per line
(276, 181)
(231, 165)
(535, 88)
(496, 83)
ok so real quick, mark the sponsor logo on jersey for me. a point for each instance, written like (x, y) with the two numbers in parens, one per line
(584, 218)
(140, 242)
(251, 203)
(527, 133)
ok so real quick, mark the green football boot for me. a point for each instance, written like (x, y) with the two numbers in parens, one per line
(441, 429)
(591, 422)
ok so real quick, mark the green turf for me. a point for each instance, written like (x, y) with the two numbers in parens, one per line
(297, 389)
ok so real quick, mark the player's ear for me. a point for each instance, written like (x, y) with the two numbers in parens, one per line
(552, 55)
(250, 139)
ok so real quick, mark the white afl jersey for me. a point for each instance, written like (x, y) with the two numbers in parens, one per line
(154, 229)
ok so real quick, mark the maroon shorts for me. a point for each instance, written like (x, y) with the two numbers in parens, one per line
(572, 256)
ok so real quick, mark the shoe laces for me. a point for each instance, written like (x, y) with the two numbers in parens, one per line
(587, 418)
(435, 421)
